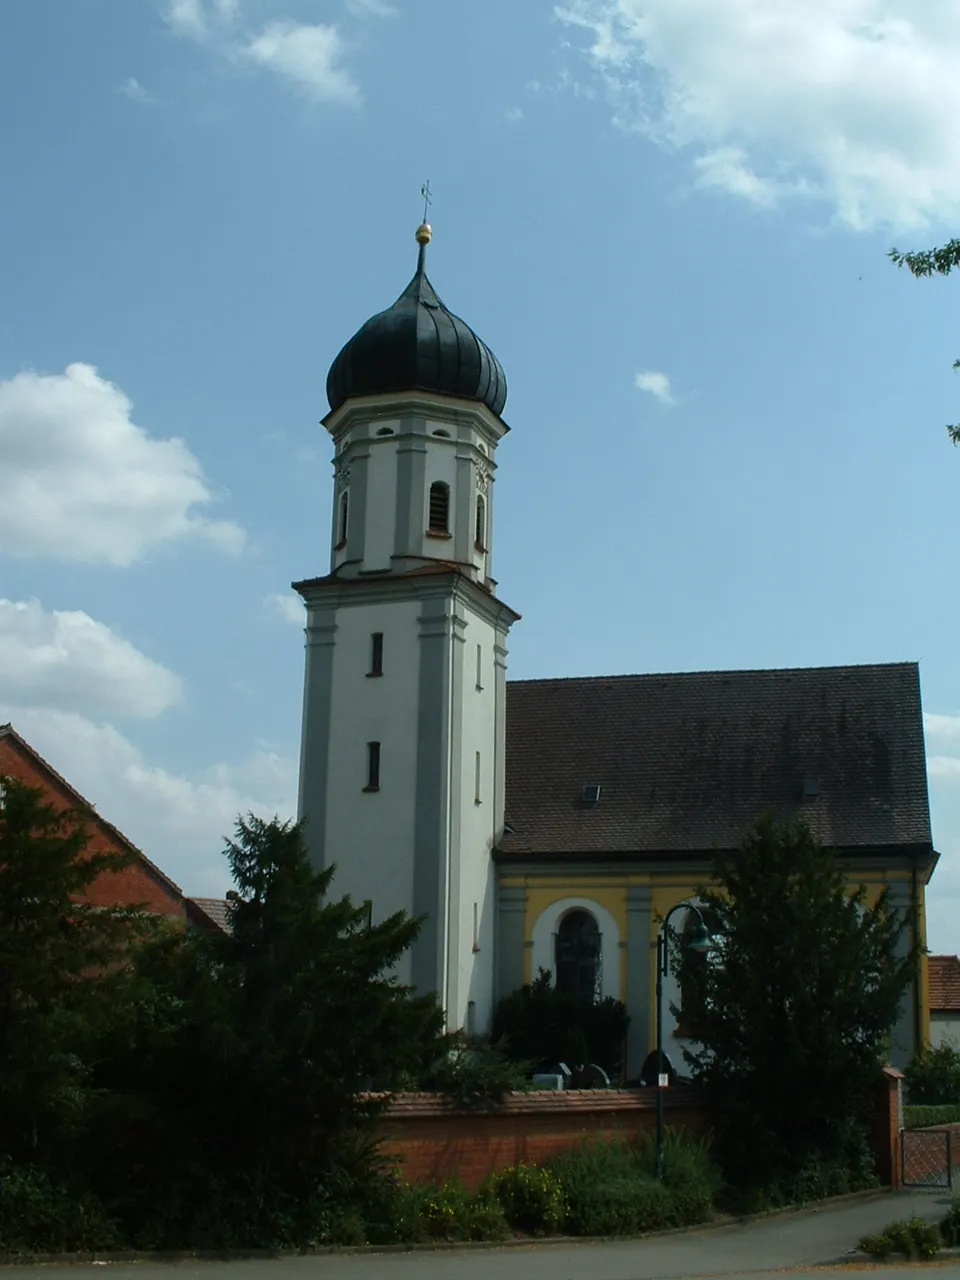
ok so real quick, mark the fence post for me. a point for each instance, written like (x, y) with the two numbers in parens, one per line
(887, 1123)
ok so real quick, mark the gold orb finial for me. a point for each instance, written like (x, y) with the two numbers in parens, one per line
(424, 233)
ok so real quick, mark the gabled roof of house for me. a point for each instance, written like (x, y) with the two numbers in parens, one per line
(211, 912)
(8, 733)
(689, 762)
(943, 979)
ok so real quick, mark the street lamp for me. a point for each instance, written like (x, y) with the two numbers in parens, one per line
(699, 941)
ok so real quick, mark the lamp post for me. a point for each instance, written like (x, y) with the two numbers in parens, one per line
(700, 941)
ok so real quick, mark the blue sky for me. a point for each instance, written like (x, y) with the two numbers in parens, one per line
(668, 219)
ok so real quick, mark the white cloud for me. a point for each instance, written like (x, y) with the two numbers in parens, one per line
(942, 728)
(133, 89)
(944, 767)
(286, 606)
(513, 115)
(854, 101)
(179, 822)
(69, 661)
(657, 384)
(309, 56)
(80, 481)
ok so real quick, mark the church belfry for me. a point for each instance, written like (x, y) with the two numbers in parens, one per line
(402, 749)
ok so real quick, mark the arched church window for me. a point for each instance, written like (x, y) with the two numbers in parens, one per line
(480, 534)
(578, 955)
(439, 507)
(342, 519)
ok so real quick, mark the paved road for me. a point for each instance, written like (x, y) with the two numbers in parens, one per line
(795, 1241)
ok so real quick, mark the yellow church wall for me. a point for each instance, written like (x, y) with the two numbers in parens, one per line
(667, 889)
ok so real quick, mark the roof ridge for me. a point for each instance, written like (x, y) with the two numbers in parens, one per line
(729, 671)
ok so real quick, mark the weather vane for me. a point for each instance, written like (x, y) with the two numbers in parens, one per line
(427, 198)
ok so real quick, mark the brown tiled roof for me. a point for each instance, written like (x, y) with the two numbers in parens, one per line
(689, 762)
(943, 977)
(81, 802)
(209, 912)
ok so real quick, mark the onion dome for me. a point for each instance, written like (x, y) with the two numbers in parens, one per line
(417, 345)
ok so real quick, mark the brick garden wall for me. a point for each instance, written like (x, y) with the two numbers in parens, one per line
(430, 1140)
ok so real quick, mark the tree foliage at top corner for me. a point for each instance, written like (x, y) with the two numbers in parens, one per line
(929, 262)
(793, 1009)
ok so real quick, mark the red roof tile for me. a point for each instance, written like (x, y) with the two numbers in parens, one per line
(943, 973)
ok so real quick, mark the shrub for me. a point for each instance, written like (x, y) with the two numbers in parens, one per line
(532, 1198)
(476, 1073)
(417, 1213)
(912, 1237)
(950, 1226)
(922, 1116)
(689, 1173)
(544, 1026)
(38, 1216)
(611, 1187)
(933, 1077)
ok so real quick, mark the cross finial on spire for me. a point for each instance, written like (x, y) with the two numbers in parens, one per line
(427, 198)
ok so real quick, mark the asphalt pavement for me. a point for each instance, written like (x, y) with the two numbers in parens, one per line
(778, 1244)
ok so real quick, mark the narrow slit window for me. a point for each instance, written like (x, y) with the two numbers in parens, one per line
(373, 767)
(376, 654)
(342, 519)
(480, 667)
(439, 507)
(480, 533)
(476, 779)
(476, 926)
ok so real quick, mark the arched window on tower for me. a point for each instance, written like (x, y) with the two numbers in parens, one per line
(439, 507)
(480, 533)
(342, 519)
(578, 955)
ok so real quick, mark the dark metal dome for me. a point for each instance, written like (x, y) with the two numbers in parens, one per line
(417, 345)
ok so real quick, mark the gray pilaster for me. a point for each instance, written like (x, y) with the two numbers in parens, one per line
(431, 854)
(411, 483)
(315, 731)
(511, 923)
(464, 509)
(902, 1039)
(639, 964)
(500, 729)
(459, 749)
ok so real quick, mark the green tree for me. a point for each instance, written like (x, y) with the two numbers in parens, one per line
(793, 1010)
(930, 262)
(933, 1077)
(62, 964)
(252, 1049)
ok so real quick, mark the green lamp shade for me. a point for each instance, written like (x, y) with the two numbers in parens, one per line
(700, 939)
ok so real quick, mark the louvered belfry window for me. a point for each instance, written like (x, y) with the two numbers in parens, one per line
(439, 507)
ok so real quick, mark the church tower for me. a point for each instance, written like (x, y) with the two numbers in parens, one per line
(402, 750)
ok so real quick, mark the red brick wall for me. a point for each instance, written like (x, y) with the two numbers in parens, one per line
(887, 1121)
(136, 884)
(431, 1141)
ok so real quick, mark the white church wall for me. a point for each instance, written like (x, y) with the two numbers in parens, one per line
(370, 834)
